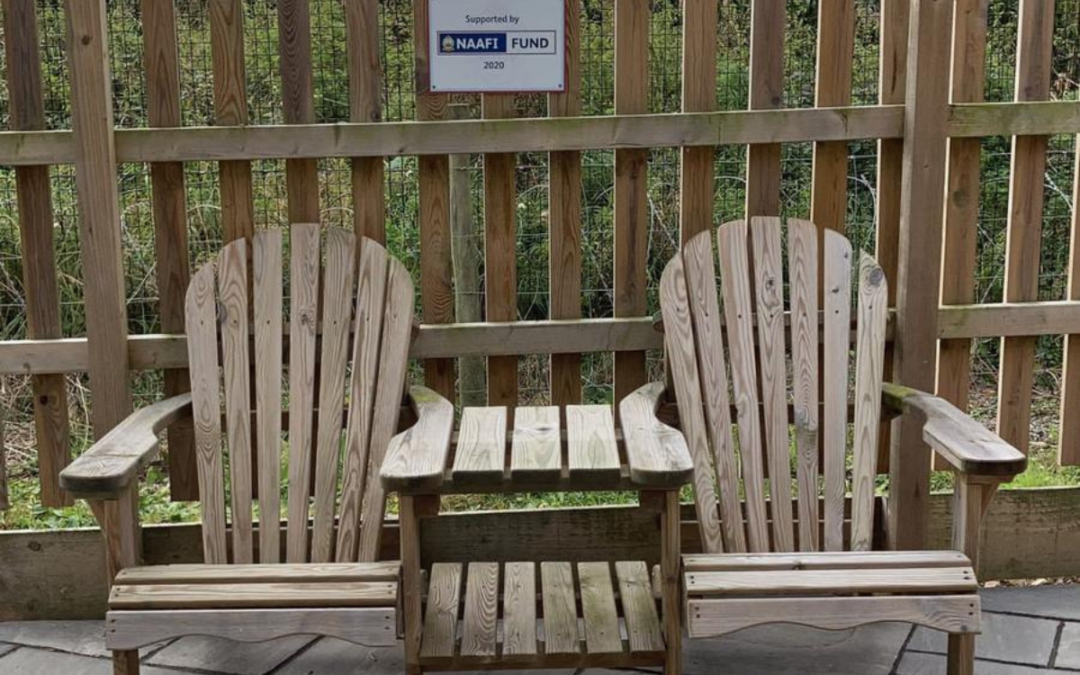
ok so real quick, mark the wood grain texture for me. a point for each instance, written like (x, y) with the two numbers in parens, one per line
(481, 448)
(393, 364)
(631, 186)
(832, 582)
(440, 618)
(696, 167)
(536, 452)
(236, 376)
(433, 177)
(267, 595)
(99, 213)
(656, 453)
(203, 357)
(639, 607)
(370, 313)
(1069, 431)
(560, 608)
(261, 573)
(733, 257)
(303, 315)
(825, 560)
(679, 347)
(1023, 243)
(564, 207)
(769, 287)
(713, 618)
(601, 619)
(480, 620)
(34, 198)
(500, 250)
(836, 294)
(519, 607)
(704, 308)
(590, 443)
(768, 24)
(365, 105)
(339, 282)
(230, 109)
(832, 87)
(802, 279)
(294, 44)
(870, 359)
(416, 459)
(918, 281)
(268, 315)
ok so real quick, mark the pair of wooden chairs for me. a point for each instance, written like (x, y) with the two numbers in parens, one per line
(773, 556)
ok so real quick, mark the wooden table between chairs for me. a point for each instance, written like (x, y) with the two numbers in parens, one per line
(525, 614)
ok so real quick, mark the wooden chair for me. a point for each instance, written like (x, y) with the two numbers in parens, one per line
(329, 583)
(801, 554)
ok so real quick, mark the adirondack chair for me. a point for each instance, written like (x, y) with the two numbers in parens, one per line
(804, 555)
(330, 583)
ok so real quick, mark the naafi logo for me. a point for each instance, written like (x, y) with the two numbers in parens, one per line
(448, 43)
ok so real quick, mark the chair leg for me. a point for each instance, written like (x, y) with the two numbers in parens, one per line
(961, 658)
(126, 663)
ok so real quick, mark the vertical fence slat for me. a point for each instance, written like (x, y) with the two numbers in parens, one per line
(1024, 229)
(230, 109)
(34, 195)
(365, 105)
(294, 41)
(631, 187)
(836, 45)
(892, 81)
(564, 207)
(170, 225)
(436, 268)
(767, 28)
(918, 293)
(698, 95)
(962, 198)
(500, 259)
(99, 212)
(1069, 433)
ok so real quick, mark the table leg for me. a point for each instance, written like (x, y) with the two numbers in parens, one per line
(413, 508)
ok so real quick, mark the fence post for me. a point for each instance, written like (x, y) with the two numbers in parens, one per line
(768, 19)
(294, 41)
(39, 258)
(365, 105)
(836, 53)
(99, 212)
(919, 273)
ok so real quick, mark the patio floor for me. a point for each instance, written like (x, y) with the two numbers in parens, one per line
(1026, 631)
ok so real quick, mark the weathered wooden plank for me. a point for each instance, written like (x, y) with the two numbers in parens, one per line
(294, 44)
(696, 167)
(825, 560)
(268, 315)
(598, 608)
(870, 357)
(157, 575)
(519, 609)
(339, 280)
(590, 441)
(34, 198)
(236, 375)
(1023, 243)
(832, 87)
(481, 449)
(99, 213)
(836, 294)
(365, 105)
(480, 620)
(1069, 431)
(230, 109)
(536, 453)
(631, 185)
(440, 619)
(830, 582)
(560, 608)
(639, 607)
(768, 21)
(1018, 118)
(656, 454)
(266, 595)
(918, 287)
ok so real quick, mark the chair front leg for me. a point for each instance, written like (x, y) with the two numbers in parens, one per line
(119, 520)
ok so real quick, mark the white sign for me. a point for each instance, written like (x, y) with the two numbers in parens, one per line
(497, 45)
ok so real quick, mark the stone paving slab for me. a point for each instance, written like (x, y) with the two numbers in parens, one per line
(32, 661)
(1060, 602)
(78, 637)
(1016, 639)
(914, 663)
(1068, 655)
(235, 658)
(4, 649)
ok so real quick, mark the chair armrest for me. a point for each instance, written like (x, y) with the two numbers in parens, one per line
(111, 464)
(416, 458)
(657, 453)
(965, 444)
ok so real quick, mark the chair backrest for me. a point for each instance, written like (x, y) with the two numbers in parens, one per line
(716, 364)
(242, 321)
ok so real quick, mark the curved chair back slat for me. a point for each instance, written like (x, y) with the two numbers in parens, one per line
(330, 460)
(757, 346)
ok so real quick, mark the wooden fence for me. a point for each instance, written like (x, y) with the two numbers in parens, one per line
(928, 122)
